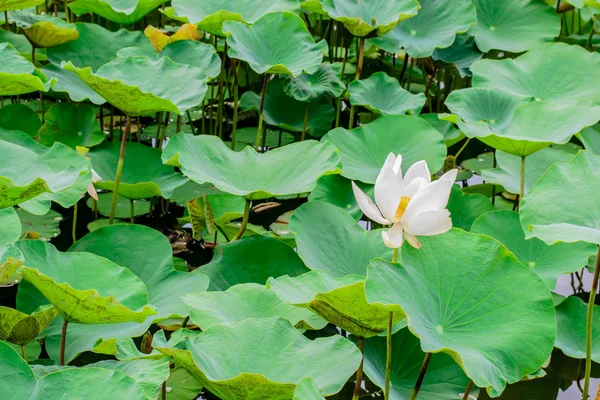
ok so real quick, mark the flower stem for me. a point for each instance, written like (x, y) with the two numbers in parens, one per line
(588, 329)
(359, 373)
(132, 211)
(219, 126)
(63, 340)
(24, 352)
(468, 390)
(259, 133)
(74, 228)
(115, 197)
(244, 222)
(419, 382)
(464, 146)
(305, 122)
(235, 103)
(388, 358)
(522, 189)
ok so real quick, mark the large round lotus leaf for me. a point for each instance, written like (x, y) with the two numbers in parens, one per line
(291, 48)
(517, 124)
(123, 211)
(19, 76)
(19, 117)
(68, 82)
(337, 190)
(384, 95)
(571, 324)
(514, 25)
(564, 204)
(25, 175)
(16, 377)
(44, 30)
(251, 260)
(288, 113)
(260, 358)
(130, 84)
(246, 301)
(69, 172)
(144, 176)
(209, 15)
(435, 26)
(287, 170)
(446, 128)
(445, 380)
(340, 301)
(96, 46)
(320, 227)
(19, 328)
(364, 149)
(84, 287)
(308, 87)
(465, 208)
(376, 17)
(72, 125)
(473, 310)
(124, 245)
(508, 172)
(549, 262)
(463, 53)
(6, 5)
(123, 12)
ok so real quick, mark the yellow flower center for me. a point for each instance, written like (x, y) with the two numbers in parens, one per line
(401, 208)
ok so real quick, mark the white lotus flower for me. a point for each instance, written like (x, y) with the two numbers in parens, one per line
(91, 189)
(412, 204)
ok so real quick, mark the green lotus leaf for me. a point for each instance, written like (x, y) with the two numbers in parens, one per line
(245, 301)
(563, 205)
(45, 226)
(590, 137)
(123, 211)
(446, 128)
(364, 149)
(10, 226)
(27, 174)
(264, 357)
(125, 12)
(16, 377)
(337, 190)
(19, 76)
(465, 208)
(70, 172)
(307, 389)
(33, 349)
(288, 113)
(340, 300)
(72, 125)
(324, 81)
(19, 117)
(482, 162)
(84, 287)
(571, 324)
(375, 17)
(287, 170)
(508, 172)
(280, 228)
(124, 245)
(472, 317)
(445, 380)
(96, 46)
(463, 53)
(44, 30)
(435, 26)
(130, 84)
(143, 174)
(248, 135)
(549, 262)
(10, 257)
(210, 15)
(182, 385)
(514, 25)
(7, 5)
(19, 328)
(383, 95)
(244, 261)
(291, 48)
(68, 82)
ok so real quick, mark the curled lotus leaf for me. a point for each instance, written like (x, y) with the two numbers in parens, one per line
(271, 359)
(324, 81)
(44, 30)
(209, 15)
(124, 12)
(159, 39)
(291, 48)
(130, 84)
(7, 5)
(19, 76)
(19, 328)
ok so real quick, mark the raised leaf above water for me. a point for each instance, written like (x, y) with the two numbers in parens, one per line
(124, 12)
(19, 328)
(324, 81)
(19, 76)
(44, 30)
